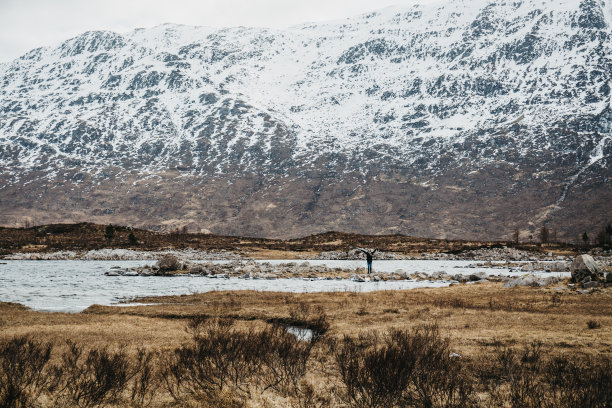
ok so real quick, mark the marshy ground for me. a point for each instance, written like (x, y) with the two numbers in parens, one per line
(481, 322)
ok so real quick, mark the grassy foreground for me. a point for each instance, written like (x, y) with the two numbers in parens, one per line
(531, 347)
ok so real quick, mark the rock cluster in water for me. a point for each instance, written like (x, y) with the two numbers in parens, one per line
(171, 265)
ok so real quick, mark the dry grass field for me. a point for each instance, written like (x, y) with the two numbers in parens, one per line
(484, 323)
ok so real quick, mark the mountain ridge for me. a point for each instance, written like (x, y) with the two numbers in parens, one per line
(400, 120)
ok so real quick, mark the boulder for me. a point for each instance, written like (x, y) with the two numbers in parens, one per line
(531, 280)
(478, 276)
(590, 285)
(583, 266)
(169, 263)
(609, 278)
(460, 278)
(196, 269)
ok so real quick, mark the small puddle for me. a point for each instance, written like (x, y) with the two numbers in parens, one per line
(300, 333)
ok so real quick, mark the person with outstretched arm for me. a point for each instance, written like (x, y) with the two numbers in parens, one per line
(368, 258)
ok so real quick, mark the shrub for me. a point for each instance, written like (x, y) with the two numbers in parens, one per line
(579, 382)
(145, 378)
(91, 379)
(23, 374)
(401, 368)
(109, 232)
(221, 357)
(593, 324)
(529, 379)
(132, 239)
(281, 359)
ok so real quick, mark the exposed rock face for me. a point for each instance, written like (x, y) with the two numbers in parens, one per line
(450, 119)
(585, 267)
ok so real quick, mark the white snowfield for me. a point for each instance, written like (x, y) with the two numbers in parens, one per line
(397, 78)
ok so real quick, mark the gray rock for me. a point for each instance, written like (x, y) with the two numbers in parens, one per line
(583, 266)
(531, 280)
(609, 277)
(196, 269)
(590, 284)
(460, 278)
(477, 276)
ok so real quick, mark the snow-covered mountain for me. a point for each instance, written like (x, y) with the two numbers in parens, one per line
(452, 118)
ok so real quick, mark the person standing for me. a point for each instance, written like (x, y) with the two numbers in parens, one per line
(369, 256)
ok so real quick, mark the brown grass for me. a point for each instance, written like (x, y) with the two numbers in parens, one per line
(474, 316)
(478, 319)
(86, 236)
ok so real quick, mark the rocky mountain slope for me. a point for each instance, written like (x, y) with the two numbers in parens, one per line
(450, 119)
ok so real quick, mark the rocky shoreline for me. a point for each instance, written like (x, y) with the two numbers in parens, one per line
(170, 265)
(586, 273)
(108, 254)
(487, 254)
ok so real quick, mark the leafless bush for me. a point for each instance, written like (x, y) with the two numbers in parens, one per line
(219, 356)
(23, 373)
(222, 357)
(309, 397)
(528, 378)
(556, 299)
(579, 382)
(144, 378)
(90, 379)
(438, 380)
(593, 324)
(401, 369)
(374, 376)
(281, 361)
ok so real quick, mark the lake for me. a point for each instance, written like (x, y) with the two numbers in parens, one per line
(74, 285)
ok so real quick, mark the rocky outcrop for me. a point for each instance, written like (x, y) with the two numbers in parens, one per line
(584, 267)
